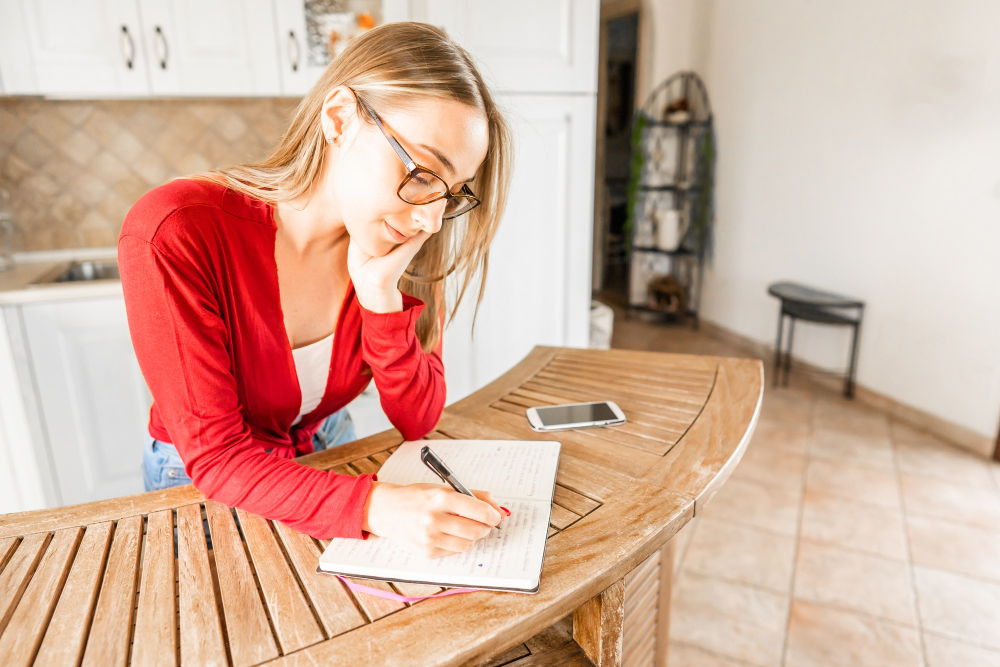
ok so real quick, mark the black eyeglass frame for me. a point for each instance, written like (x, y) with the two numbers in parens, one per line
(412, 169)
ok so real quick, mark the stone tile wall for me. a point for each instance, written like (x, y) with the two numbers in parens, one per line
(74, 168)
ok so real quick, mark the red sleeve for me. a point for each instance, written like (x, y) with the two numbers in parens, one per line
(410, 381)
(181, 343)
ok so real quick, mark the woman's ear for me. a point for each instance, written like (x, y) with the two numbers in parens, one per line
(339, 115)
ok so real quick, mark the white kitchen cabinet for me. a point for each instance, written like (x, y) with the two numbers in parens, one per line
(297, 74)
(525, 45)
(72, 48)
(211, 47)
(86, 396)
(538, 288)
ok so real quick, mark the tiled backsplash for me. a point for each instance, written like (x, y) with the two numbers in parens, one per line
(74, 168)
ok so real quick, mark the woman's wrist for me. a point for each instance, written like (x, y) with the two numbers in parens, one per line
(372, 504)
(379, 301)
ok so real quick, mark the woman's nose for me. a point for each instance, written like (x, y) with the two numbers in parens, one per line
(429, 217)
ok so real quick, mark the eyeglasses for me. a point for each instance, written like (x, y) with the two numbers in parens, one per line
(423, 186)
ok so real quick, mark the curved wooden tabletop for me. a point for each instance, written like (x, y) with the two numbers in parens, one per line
(104, 584)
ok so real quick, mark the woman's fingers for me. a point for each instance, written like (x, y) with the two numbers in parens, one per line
(486, 496)
(474, 508)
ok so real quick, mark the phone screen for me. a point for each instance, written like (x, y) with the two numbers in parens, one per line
(557, 415)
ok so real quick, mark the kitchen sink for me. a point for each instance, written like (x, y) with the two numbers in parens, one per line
(80, 271)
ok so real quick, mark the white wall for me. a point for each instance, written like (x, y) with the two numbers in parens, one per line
(859, 151)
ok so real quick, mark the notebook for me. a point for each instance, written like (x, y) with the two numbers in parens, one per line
(521, 475)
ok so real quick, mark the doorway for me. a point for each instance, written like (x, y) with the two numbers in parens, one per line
(617, 67)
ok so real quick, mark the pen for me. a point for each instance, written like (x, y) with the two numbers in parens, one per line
(437, 466)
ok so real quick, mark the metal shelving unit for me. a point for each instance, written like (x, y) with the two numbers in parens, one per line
(671, 185)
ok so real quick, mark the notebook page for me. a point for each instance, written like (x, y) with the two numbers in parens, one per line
(511, 556)
(510, 468)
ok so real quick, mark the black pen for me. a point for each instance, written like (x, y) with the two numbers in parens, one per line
(437, 466)
(434, 462)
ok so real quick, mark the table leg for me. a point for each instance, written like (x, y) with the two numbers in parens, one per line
(777, 347)
(597, 626)
(788, 353)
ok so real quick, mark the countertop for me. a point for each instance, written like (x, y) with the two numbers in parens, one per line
(15, 287)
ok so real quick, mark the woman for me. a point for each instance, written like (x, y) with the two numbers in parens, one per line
(263, 298)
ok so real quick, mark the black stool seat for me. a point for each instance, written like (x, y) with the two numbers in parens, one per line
(800, 302)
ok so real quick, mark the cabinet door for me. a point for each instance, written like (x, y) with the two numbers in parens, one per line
(297, 74)
(84, 47)
(538, 287)
(91, 394)
(211, 47)
(526, 46)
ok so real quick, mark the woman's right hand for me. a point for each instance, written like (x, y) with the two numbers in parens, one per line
(430, 520)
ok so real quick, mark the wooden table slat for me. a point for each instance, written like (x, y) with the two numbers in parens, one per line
(7, 547)
(574, 501)
(156, 616)
(66, 633)
(247, 628)
(365, 465)
(200, 623)
(27, 624)
(14, 578)
(562, 518)
(651, 406)
(330, 599)
(291, 616)
(110, 633)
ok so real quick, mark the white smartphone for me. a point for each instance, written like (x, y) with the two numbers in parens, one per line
(574, 415)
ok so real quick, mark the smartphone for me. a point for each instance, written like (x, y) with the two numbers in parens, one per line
(575, 415)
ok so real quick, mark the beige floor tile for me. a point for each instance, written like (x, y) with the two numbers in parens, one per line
(958, 606)
(745, 555)
(853, 481)
(929, 458)
(772, 466)
(757, 505)
(958, 547)
(873, 450)
(786, 408)
(685, 655)
(854, 581)
(851, 525)
(942, 652)
(778, 435)
(822, 637)
(841, 414)
(958, 502)
(729, 619)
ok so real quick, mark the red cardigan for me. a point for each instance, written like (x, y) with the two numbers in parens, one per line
(201, 295)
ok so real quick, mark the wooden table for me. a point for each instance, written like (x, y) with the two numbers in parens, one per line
(103, 584)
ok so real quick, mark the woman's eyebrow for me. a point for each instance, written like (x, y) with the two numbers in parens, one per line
(444, 160)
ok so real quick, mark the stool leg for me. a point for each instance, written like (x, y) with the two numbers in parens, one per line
(849, 385)
(788, 353)
(777, 347)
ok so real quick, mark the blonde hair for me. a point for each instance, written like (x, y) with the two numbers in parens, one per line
(387, 67)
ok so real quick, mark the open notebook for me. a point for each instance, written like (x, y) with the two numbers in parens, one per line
(521, 475)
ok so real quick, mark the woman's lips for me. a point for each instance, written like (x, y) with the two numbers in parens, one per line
(394, 233)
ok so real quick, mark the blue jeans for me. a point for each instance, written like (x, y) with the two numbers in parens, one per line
(162, 466)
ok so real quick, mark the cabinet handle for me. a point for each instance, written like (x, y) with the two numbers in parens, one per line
(162, 51)
(128, 47)
(293, 50)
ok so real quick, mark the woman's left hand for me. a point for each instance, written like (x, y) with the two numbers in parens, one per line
(376, 279)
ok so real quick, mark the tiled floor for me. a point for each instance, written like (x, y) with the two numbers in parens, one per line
(843, 538)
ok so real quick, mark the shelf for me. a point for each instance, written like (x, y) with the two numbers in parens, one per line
(668, 188)
(676, 251)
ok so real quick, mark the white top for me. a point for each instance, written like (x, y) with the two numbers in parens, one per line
(312, 366)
